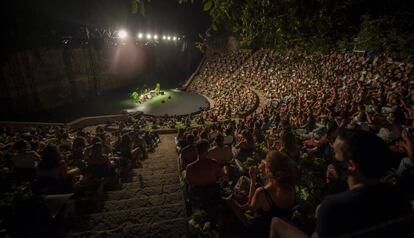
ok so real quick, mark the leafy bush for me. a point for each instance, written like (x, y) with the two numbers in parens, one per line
(200, 227)
(310, 190)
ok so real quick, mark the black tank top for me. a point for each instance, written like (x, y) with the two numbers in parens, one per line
(275, 210)
(263, 227)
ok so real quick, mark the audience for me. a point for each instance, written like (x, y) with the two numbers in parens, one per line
(221, 153)
(204, 171)
(269, 109)
(366, 159)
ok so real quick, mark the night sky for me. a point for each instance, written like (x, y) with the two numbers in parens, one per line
(65, 16)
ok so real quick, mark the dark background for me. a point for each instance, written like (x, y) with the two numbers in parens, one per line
(25, 23)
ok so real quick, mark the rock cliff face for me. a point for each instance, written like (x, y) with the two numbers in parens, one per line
(40, 79)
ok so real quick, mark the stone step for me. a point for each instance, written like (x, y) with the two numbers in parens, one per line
(150, 176)
(146, 170)
(158, 166)
(173, 228)
(115, 219)
(138, 192)
(144, 201)
(141, 182)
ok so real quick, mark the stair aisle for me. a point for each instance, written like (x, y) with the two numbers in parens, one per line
(150, 204)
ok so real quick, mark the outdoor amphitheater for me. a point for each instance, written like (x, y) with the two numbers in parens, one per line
(235, 140)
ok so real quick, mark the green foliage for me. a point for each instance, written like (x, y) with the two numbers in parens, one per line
(199, 226)
(310, 189)
(135, 96)
(138, 5)
(226, 188)
(249, 162)
(387, 33)
(207, 5)
(312, 25)
(260, 148)
(11, 199)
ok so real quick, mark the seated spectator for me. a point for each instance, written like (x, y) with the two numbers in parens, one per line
(189, 152)
(203, 171)
(25, 160)
(180, 139)
(392, 131)
(228, 138)
(52, 173)
(99, 164)
(106, 143)
(289, 145)
(368, 202)
(65, 143)
(88, 150)
(221, 153)
(127, 154)
(77, 158)
(408, 143)
(25, 157)
(245, 145)
(275, 198)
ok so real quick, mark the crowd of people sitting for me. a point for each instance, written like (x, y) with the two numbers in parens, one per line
(57, 159)
(348, 114)
(353, 111)
(231, 99)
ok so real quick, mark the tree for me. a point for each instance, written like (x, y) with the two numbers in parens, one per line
(312, 24)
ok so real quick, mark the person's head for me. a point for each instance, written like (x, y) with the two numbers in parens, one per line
(280, 168)
(50, 157)
(363, 155)
(79, 143)
(288, 142)
(99, 130)
(398, 116)
(202, 148)
(22, 146)
(204, 135)
(219, 140)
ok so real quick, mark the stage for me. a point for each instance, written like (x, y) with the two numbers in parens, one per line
(172, 102)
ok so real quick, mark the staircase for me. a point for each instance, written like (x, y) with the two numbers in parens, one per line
(150, 204)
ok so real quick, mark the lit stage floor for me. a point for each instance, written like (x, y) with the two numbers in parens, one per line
(180, 103)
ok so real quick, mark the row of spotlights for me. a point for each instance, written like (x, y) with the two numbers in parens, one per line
(122, 34)
(155, 37)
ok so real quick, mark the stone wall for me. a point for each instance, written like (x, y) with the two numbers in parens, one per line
(41, 79)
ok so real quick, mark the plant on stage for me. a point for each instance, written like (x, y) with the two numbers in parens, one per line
(157, 87)
(135, 96)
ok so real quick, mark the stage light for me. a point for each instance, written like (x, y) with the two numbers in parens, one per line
(140, 35)
(122, 34)
(174, 38)
(178, 38)
(164, 37)
(155, 37)
(168, 37)
(149, 36)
